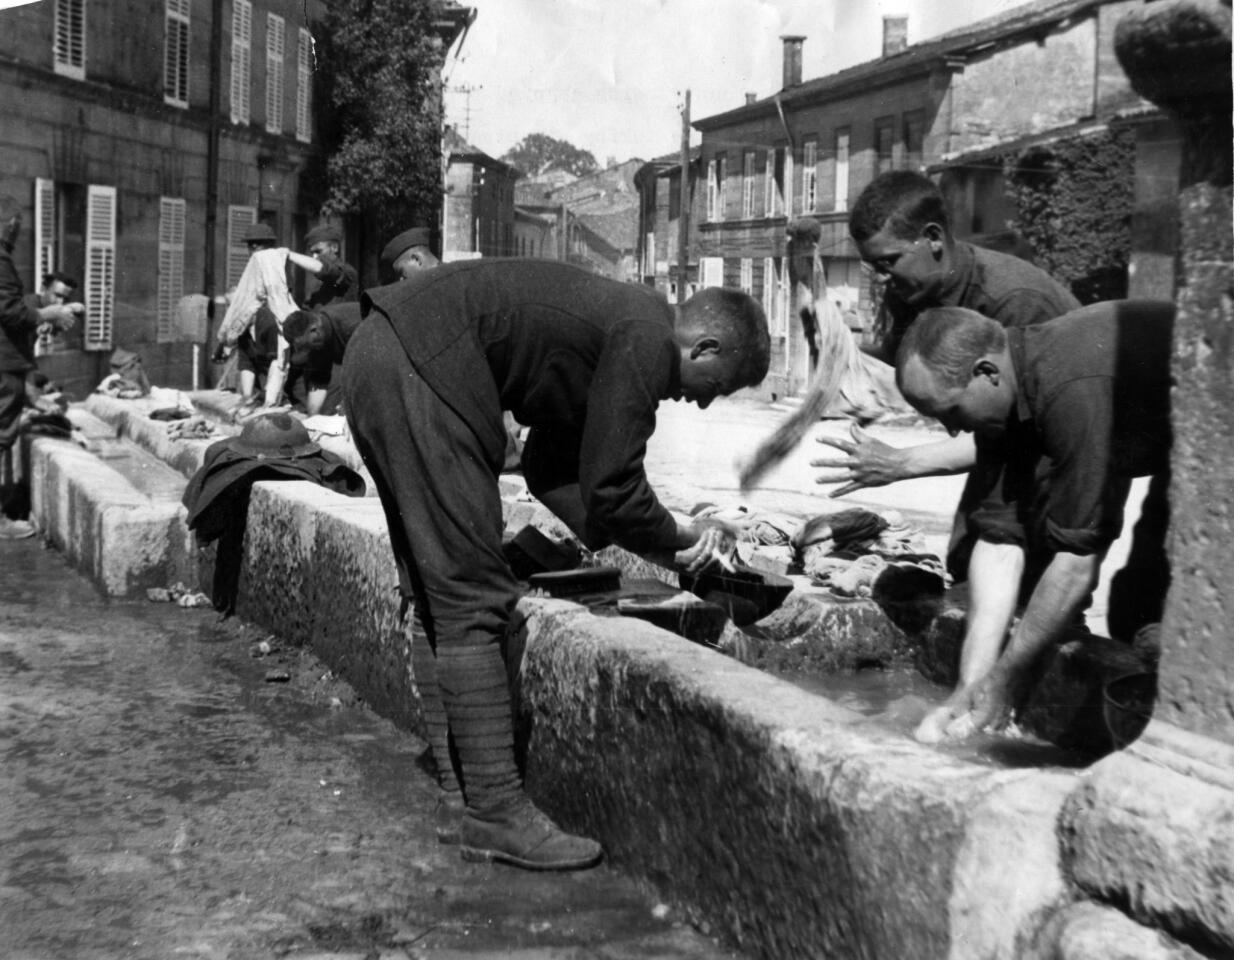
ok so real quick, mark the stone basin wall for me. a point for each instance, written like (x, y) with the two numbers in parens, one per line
(778, 819)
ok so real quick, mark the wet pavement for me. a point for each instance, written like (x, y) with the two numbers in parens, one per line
(169, 791)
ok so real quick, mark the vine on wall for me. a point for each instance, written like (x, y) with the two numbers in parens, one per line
(1075, 199)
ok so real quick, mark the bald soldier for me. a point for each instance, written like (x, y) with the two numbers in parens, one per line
(1081, 404)
(584, 362)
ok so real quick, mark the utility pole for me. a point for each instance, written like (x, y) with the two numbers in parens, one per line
(467, 90)
(683, 227)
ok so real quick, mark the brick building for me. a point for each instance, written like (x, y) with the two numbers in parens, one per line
(810, 148)
(142, 137)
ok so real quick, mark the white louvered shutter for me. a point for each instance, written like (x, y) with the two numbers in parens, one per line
(275, 35)
(69, 44)
(176, 54)
(100, 266)
(45, 252)
(241, 59)
(172, 212)
(239, 219)
(304, 87)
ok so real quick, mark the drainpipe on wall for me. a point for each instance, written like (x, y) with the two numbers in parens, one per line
(212, 159)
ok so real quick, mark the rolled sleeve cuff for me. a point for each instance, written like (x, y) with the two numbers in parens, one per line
(1083, 541)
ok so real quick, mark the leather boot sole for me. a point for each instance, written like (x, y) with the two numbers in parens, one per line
(482, 855)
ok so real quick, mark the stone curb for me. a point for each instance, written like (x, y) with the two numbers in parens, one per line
(124, 540)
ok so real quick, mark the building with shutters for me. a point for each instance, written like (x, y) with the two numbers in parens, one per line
(141, 138)
(952, 106)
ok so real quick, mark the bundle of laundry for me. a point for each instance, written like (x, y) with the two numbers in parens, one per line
(264, 280)
(191, 428)
(858, 553)
(274, 446)
(127, 379)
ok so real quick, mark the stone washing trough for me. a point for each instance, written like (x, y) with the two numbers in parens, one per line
(779, 818)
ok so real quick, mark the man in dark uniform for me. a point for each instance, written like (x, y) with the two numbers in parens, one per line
(584, 361)
(1083, 405)
(337, 281)
(318, 337)
(20, 324)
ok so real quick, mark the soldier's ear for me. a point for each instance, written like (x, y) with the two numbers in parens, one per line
(933, 234)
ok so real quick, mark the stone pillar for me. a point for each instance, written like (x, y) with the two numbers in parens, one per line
(1177, 54)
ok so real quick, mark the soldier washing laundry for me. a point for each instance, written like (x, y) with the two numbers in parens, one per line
(1082, 405)
(584, 361)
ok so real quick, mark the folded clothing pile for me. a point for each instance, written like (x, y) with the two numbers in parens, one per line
(191, 428)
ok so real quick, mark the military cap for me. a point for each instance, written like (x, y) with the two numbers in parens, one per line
(415, 237)
(323, 234)
(259, 233)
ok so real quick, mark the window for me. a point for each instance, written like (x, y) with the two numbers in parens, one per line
(782, 195)
(239, 219)
(746, 282)
(176, 54)
(914, 139)
(649, 254)
(715, 188)
(809, 176)
(841, 197)
(241, 58)
(304, 87)
(171, 266)
(884, 144)
(100, 266)
(747, 185)
(711, 272)
(45, 253)
(770, 283)
(721, 187)
(69, 46)
(769, 185)
(276, 30)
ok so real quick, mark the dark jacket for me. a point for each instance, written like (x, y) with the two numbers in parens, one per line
(18, 320)
(575, 357)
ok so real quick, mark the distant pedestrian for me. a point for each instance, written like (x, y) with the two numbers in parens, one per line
(336, 280)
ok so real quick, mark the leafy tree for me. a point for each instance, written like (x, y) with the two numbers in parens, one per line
(538, 153)
(378, 66)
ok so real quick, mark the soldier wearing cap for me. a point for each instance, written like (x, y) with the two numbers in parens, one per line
(336, 280)
(318, 337)
(408, 253)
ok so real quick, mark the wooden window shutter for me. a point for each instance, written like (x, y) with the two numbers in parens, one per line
(45, 253)
(69, 44)
(275, 34)
(172, 213)
(304, 87)
(176, 54)
(239, 219)
(100, 266)
(241, 59)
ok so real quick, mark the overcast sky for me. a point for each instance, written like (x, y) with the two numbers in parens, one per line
(608, 76)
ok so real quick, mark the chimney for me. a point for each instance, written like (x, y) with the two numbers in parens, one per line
(792, 60)
(895, 35)
(750, 98)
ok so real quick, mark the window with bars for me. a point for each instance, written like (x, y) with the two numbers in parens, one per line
(172, 213)
(304, 86)
(100, 279)
(747, 185)
(809, 176)
(241, 59)
(884, 144)
(69, 44)
(276, 29)
(176, 54)
(239, 219)
(841, 185)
